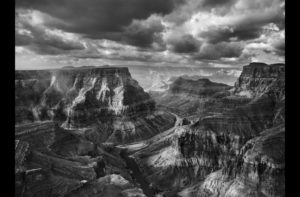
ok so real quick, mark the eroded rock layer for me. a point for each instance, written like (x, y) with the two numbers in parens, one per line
(52, 161)
(79, 127)
(77, 98)
(259, 78)
(188, 97)
(79, 95)
(68, 123)
(235, 152)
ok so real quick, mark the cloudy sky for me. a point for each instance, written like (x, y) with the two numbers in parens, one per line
(192, 33)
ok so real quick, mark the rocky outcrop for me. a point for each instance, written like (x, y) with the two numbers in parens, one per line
(259, 78)
(80, 95)
(200, 97)
(196, 150)
(67, 122)
(52, 161)
(105, 97)
(139, 128)
(258, 169)
(229, 152)
(234, 145)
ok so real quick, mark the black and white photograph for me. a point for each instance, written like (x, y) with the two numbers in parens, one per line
(149, 98)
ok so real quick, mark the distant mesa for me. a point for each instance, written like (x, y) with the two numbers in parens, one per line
(190, 77)
(201, 86)
(77, 67)
(160, 85)
(86, 67)
(68, 67)
(253, 64)
(257, 64)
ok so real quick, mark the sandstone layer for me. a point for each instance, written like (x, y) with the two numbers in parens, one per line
(107, 98)
(237, 151)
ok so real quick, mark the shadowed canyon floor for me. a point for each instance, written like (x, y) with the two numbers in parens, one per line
(95, 132)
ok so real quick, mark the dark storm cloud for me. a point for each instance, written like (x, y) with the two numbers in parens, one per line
(183, 31)
(217, 34)
(214, 3)
(218, 51)
(94, 18)
(42, 40)
(246, 28)
(43, 44)
(184, 44)
(190, 7)
(143, 33)
(47, 49)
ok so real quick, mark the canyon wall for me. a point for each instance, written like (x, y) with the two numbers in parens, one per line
(107, 98)
(235, 151)
(79, 95)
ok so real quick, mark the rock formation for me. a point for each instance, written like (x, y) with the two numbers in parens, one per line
(52, 161)
(94, 132)
(67, 122)
(79, 97)
(80, 94)
(229, 152)
(188, 97)
(259, 78)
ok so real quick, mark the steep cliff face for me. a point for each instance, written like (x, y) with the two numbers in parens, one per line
(234, 145)
(192, 97)
(80, 97)
(67, 122)
(258, 169)
(228, 153)
(259, 78)
(194, 151)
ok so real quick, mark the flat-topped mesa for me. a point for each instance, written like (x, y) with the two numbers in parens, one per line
(79, 94)
(257, 79)
(200, 87)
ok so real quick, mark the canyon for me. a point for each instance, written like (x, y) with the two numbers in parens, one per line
(106, 99)
(95, 132)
